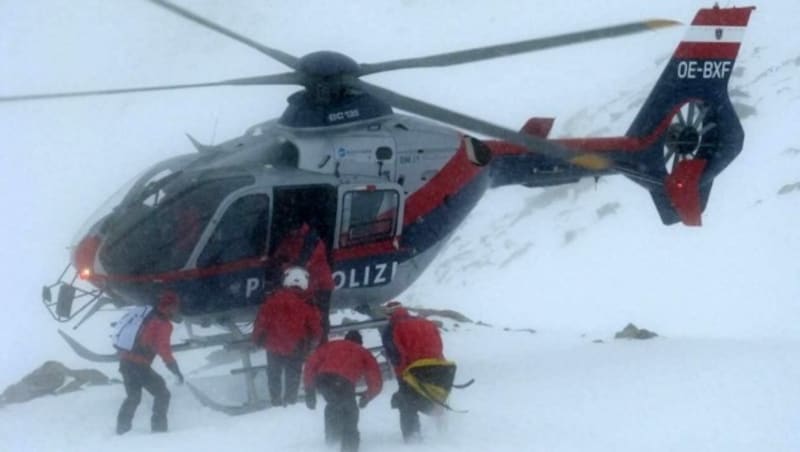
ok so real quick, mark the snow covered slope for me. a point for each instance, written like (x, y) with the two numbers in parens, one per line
(575, 263)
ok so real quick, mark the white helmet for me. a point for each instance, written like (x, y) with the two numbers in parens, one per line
(296, 277)
(390, 306)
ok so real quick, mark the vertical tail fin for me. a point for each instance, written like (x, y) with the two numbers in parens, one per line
(689, 119)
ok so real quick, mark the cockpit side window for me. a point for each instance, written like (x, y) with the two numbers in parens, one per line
(368, 216)
(240, 234)
(282, 154)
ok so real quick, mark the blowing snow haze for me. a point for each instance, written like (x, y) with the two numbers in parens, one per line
(575, 263)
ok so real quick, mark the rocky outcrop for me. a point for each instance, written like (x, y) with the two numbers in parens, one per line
(632, 332)
(52, 378)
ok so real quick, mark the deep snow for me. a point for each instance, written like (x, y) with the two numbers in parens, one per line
(724, 297)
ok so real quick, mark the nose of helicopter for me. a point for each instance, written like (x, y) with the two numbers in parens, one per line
(84, 255)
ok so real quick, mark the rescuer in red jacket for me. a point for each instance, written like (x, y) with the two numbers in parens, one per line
(334, 369)
(406, 340)
(288, 327)
(303, 247)
(152, 339)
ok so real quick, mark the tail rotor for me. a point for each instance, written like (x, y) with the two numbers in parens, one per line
(691, 135)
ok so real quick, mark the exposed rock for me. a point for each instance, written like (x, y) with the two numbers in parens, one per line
(516, 254)
(788, 188)
(54, 378)
(523, 330)
(632, 332)
(744, 110)
(571, 235)
(607, 209)
(446, 313)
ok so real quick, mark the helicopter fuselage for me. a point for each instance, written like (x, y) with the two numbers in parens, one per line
(384, 194)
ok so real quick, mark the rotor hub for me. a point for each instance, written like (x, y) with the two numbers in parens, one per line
(326, 64)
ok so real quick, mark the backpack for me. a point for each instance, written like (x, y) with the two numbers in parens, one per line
(127, 328)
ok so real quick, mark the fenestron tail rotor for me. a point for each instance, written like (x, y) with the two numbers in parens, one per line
(337, 76)
(690, 135)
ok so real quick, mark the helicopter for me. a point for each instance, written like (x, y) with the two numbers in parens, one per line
(383, 190)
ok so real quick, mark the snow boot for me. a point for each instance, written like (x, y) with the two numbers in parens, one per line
(158, 424)
(123, 428)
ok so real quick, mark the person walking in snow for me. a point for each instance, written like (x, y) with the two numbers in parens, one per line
(153, 338)
(303, 247)
(334, 369)
(413, 346)
(288, 327)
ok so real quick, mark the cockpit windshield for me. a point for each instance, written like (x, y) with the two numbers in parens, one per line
(156, 230)
(140, 182)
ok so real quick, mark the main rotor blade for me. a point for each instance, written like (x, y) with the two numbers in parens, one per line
(276, 54)
(513, 48)
(288, 78)
(534, 144)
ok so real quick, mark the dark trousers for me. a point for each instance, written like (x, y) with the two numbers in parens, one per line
(135, 377)
(322, 300)
(410, 403)
(280, 367)
(341, 411)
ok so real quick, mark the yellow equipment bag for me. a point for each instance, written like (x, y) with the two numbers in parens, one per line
(432, 378)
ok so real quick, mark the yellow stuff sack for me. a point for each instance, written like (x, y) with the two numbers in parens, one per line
(432, 378)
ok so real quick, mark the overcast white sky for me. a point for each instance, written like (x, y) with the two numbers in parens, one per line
(735, 280)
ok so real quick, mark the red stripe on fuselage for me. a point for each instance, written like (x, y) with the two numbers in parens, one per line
(707, 50)
(732, 17)
(375, 249)
(179, 275)
(453, 176)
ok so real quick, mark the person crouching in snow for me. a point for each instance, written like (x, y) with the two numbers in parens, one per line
(288, 327)
(153, 338)
(333, 370)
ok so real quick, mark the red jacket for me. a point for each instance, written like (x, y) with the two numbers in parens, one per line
(289, 253)
(413, 338)
(153, 339)
(286, 322)
(346, 359)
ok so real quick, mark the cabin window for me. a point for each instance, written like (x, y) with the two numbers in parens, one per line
(240, 234)
(368, 216)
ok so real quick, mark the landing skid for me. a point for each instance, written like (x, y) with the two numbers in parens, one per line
(235, 339)
(249, 372)
(231, 410)
(192, 344)
(85, 353)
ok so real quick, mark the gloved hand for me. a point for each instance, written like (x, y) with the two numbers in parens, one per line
(173, 367)
(363, 400)
(311, 399)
